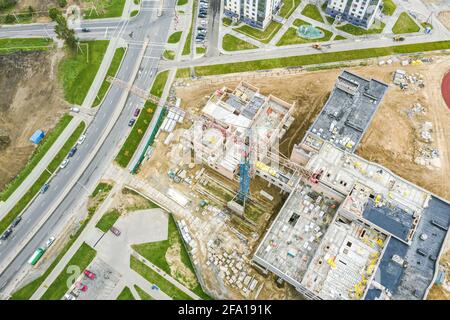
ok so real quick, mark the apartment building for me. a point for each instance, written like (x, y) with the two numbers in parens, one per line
(256, 13)
(357, 12)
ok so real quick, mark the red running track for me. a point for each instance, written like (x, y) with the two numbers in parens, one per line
(445, 89)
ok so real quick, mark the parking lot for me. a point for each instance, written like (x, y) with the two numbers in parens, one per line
(201, 28)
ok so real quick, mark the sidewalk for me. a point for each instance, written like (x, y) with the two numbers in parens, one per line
(6, 206)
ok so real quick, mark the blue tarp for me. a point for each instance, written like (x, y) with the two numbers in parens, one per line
(37, 136)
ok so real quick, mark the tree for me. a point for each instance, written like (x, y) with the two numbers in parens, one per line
(62, 30)
(10, 18)
(62, 3)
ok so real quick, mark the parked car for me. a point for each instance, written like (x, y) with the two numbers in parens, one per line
(80, 286)
(136, 112)
(16, 221)
(202, 16)
(85, 30)
(68, 296)
(44, 188)
(75, 292)
(81, 139)
(131, 122)
(75, 109)
(6, 234)
(64, 163)
(115, 231)
(89, 274)
(50, 241)
(72, 152)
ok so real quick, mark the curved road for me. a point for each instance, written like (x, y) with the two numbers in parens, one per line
(145, 25)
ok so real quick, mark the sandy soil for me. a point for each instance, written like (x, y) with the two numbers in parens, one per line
(391, 140)
(444, 17)
(31, 100)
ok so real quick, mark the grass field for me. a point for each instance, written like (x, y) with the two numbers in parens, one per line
(389, 7)
(114, 66)
(227, 21)
(154, 278)
(108, 220)
(24, 44)
(77, 71)
(200, 50)
(181, 2)
(155, 252)
(144, 295)
(159, 83)
(105, 9)
(291, 37)
(405, 24)
(288, 8)
(175, 37)
(27, 291)
(309, 59)
(231, 43)
(45, 175)
(358, 31)
(36, 156)
(183, 73)
(187, 44)
(125, 294)
(82, 258)
(311, 11)
(134, 13)
(263, 36)
(169, 54)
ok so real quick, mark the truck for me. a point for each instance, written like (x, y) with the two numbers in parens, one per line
(36, 256)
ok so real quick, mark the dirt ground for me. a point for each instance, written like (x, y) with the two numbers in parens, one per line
(444, 17)
(31, 100)
(442, 292)
(391, 143)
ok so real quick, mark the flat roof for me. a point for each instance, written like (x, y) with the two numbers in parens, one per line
(349, 110)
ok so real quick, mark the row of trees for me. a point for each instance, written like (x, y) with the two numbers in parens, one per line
(62, 30)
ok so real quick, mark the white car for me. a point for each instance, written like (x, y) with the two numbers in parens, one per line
(75, 109)
(64, 163)
(69, 297)
(81, 139)
(49, 241)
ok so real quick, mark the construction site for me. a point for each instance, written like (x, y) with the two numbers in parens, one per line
(343, 220)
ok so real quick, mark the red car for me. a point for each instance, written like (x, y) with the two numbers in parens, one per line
(89, 274)
(81, 286)
(136, 112)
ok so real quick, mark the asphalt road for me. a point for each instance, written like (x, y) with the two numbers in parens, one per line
(213, 28)
(146, 24)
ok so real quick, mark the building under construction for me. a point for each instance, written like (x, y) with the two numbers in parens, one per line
(351, 229)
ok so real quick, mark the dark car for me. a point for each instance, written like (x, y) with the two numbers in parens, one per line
(201, 28)
(72, 152)
(136, 112)
(131, 122)
(115, 231)
(44, 187)
(202, 16)
(85, 30)
(16, 221)
(6, 234)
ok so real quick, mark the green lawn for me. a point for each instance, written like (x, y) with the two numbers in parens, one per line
(187, 44)
(288, 8)
(154, 278)
(144, 295)
(377, 27)
(114, 66)
(142, 122)
(108, 220)
(339, 37)
(263, 36)
(183, 73)
(155, 252)
(200, 50)
(36, 156)
(82, 258)
(405, 24)
(169, 54)
(311, 11)
(125, 294)
(330, 20)
(27, 291)
(389, 7)
(291, 37)
(24, 44)
(227, 21)
(45, 175)
(105, 9)
(181, 2)
(426, 24)
(134, 13)
(318, 58)
(175, 37)
(231, 43)
(77, 71)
